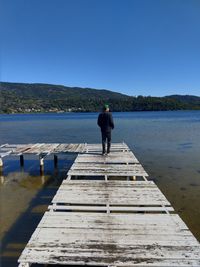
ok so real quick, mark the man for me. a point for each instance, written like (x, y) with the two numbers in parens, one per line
(105, 122)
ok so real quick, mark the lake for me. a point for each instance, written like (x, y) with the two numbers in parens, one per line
(166, 143)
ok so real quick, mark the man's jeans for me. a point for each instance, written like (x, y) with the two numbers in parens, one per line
(106, 136)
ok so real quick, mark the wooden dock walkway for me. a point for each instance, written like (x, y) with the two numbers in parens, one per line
(107, 213)
(55, 148)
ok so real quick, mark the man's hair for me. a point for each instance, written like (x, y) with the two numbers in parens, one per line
(106, 106)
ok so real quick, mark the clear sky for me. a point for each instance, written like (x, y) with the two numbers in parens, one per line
(136, 47)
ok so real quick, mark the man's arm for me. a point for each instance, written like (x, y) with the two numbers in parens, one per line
(99, 122)
(111, 121)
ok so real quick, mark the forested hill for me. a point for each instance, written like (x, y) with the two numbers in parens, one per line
(24, 97)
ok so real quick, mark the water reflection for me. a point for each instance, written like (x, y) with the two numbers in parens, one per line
(2, 177)
(166, 143)
(26, 193)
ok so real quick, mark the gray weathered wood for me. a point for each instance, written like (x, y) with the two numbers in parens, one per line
(112, 192)
(127, 157)
(71, 238)
(100, 224)
(83, 169)
(119, 208)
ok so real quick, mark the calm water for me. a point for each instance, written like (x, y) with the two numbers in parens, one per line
(166, 143)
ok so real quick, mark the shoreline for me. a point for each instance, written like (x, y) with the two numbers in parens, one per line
(90, 112)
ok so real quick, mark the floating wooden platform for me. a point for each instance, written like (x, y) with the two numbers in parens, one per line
(110, 222)
(54, 148)
(40, 148)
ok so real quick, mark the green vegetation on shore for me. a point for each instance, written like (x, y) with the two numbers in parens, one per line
(25, 98)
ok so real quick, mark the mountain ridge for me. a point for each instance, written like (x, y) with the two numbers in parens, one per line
(39, 97)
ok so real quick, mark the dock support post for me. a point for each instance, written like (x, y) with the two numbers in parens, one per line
(1, 171)
(55, 161)
(41, 164)
(22, 160)
(25, 264)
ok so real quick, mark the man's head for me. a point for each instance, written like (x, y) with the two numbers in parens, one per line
(106, 107)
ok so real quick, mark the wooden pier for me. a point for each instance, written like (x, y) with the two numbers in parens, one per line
(107, 213)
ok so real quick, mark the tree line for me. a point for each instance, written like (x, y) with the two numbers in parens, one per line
(23, 97)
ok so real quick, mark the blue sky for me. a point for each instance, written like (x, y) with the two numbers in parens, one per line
(136, 47)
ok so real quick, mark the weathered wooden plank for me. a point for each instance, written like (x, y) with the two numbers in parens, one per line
(64, 148)
(103, 166)
(4, 154)
(108, 172)
(77, 165)
(113, 150)
(124, 145)
(107, 252)
(114, 221)
(72, 148)
(83, 169)
(45, 148)
(118, 193)
(127, 157)
(115, 189)
(35, 149)
(80, 148)
(110, 249)
(73, 237)
(141, 236)
(113, 183)
(139, 262)
(101, 185)
(111, 209)
(61, 148)
(55, 231)
(14, 148)
(3, 145)
(123, 229)
(48, 148)
(63, 236)
(136, 201)
(114, 147)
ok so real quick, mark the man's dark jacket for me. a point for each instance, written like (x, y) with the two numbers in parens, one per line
(105, 121)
